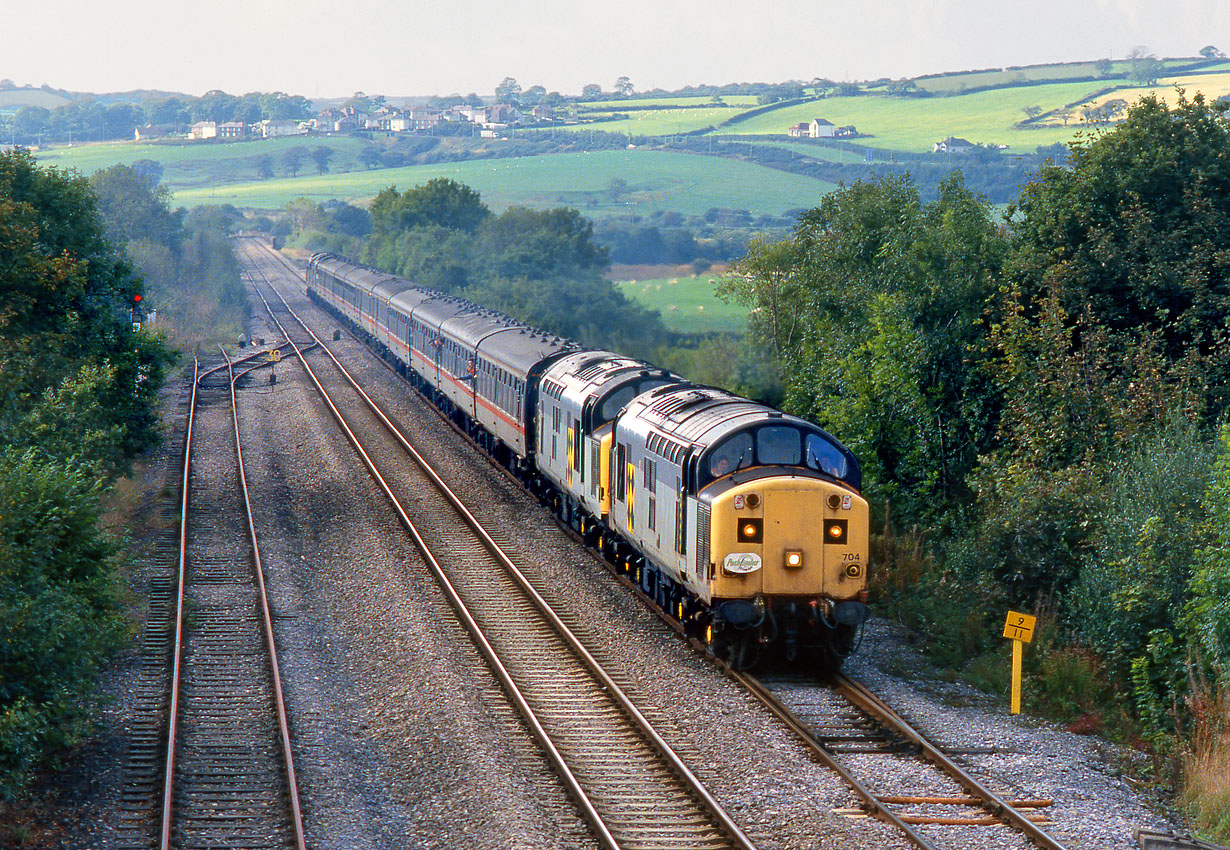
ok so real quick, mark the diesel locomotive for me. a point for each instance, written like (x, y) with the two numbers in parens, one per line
(742, 522)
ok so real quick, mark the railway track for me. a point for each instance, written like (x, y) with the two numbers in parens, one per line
(845, 726)
(227, 771)
(631, 787)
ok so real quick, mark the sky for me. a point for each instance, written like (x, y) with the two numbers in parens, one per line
(332, 48)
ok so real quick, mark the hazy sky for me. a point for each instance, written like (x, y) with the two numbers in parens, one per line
(331, 48)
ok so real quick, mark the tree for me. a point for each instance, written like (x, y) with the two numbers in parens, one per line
(1110, 323)
(361, 103)
(1032, 111)
(264, 166)
(591, 91)
(534, 95)
(1210, 52)
(508, 90)
(541, 244)
(370, 157)
(321, 154)
(1134, 230)
(171, 111)
(1103, 67)
(31, 120)
(875, 308)
(135, 207)
(440, 201)
(150, 170)
(293, 158)
(624, 87)
(1145, 67)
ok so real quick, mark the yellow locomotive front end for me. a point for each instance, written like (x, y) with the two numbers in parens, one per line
(788, 566)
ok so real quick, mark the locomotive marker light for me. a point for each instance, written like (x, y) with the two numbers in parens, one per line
(794, 559)
(1019, 628)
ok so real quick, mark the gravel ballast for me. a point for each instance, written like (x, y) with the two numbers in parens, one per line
(405, 740)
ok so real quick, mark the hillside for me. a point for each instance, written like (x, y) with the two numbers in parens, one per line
(721, 147)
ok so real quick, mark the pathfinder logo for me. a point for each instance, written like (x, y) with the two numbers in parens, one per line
(741, 562)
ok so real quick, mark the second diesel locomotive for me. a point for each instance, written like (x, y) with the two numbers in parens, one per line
(742, 522)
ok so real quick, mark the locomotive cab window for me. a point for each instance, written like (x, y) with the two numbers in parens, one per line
(734, 453)
(778, 445)
(823, 455)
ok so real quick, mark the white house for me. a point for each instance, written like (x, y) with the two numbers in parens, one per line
(204, 130)
(269, 129)
(800, 130)
(952, 145)
(821, 128)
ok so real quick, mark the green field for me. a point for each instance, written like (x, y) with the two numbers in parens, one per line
(687, 304)
(13, 99)
(204, 164)
(618, 105)
(657, 122)
(655, 180)
(915, 124)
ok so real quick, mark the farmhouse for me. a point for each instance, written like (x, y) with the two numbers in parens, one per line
(270, 129)
(204, 130)
(232, 130)
(953, 145)
(800, 130)
(821, 128)
(422, 117)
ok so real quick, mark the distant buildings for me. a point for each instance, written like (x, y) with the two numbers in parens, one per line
(952, 145)
(203, 130)
(488, 121)
(820, 128)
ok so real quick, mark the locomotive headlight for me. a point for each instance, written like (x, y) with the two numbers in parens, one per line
(750, 530)
(794, 559)
(835, 530)
(854, 570)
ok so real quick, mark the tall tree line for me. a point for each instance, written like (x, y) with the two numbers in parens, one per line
(1037, 396)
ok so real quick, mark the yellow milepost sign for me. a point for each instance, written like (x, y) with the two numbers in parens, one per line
(1019, 628)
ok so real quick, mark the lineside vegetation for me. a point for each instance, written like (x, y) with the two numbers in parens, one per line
(1039, 404)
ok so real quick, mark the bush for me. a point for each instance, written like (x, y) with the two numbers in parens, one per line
(1135, 575)
(58, 608)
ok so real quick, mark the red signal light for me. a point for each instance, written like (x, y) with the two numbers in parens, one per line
(136, 299)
